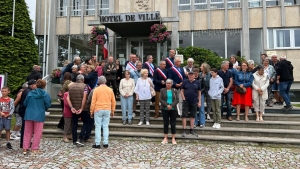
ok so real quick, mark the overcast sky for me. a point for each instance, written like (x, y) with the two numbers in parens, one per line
(31, 5)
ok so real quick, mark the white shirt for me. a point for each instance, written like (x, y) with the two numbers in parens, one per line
(127, 87)
(142, 88)
(129, 68)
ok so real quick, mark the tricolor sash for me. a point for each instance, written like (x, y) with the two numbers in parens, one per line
(132, 65)
(177, 72)
(170, 62)
(151, 69)
(161, 73)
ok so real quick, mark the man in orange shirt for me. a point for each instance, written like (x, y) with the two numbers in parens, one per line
(102, 107)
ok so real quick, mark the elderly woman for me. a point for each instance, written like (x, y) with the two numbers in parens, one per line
(36, 103)
(92, 78)
(243, 92)
(74, 73)
(169, 99)
(126, 89)
(260, 91)
(189, 67)
(270, 71)
(143, 95)
(251, 66)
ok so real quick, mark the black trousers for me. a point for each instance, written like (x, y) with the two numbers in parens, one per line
(113, 83)
(61, 123)
(87, 126)
(22, 132)
(169, 116)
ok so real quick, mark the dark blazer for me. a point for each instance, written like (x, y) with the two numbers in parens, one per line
(176, 79)
(163, 98)
(146, 67)
(68, 68)
(157, 78)
(168, 66)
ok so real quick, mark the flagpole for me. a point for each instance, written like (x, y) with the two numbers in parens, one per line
(13, 25)
(97, 48)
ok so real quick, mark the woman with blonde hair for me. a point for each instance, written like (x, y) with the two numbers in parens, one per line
(143, 95)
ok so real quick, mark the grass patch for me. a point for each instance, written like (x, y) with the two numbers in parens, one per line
(296, 105)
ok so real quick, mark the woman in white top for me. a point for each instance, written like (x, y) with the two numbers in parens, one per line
(260, 91)
(126, 89)
(143, 95)
(270, 71)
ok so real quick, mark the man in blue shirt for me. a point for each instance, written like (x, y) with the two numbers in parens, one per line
(135, 74)
(191, 96)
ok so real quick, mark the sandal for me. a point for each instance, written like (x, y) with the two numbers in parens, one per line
(257, 119)
(238, 118)
(246, 119)
(25, 152)
(174, 142)
(66, 140)
(164, 141)
(261, 119)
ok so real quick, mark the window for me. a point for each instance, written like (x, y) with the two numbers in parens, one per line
(233, 4)
(291, 2)
(200, 4)
(104, 7)
(184, 5)
(76, 8)
(284, 38)
(90, 7)
(254, 3)
(62, 7)
(214, 4)
(272, 2)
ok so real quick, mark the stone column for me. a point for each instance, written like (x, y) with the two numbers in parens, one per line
(245, 30)
(175, 35)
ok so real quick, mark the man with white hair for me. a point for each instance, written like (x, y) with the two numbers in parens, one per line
(35, 73)
(285, 79)
(76, 61)
(189, 67)
(275, 89)
(176, 73)
(102, 107)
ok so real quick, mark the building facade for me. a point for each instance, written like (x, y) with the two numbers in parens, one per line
(241, 27)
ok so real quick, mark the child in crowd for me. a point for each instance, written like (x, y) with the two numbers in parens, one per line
(215, 92)
(7, 108)
(67, 117)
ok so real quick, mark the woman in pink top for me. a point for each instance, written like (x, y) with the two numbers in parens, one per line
(99, 68)
(68, 119)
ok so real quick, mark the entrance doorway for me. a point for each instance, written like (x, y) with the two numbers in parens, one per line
(142, 48)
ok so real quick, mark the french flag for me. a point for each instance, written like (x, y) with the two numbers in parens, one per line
(105, 46)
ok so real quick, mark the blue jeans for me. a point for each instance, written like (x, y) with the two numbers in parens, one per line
(102, 118)
(284, 89)
(228, 97)
(126, 104)
(200, 117)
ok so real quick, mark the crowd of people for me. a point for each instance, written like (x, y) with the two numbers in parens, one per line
(89, 92)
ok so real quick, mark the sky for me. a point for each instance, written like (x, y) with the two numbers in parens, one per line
(31, 5)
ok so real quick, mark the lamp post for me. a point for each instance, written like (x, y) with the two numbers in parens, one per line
(13, 25)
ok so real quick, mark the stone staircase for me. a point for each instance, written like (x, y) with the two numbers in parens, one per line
(278, 127)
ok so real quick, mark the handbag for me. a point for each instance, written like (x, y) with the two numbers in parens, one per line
(239, 89)
(152, 91)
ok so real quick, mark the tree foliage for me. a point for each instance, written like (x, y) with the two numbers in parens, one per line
(201, 55)
(19, 53)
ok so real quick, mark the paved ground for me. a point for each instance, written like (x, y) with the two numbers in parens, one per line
(151, 154)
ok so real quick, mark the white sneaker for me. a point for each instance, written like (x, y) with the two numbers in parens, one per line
(208, 117)
(218, 125)
(19, 134)
(140, 123)
(214, 126)
(147, 123)
(47, 113)
(250, 110)
(133, 115)
(14, 137)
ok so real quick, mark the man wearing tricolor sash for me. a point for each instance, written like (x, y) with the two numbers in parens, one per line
(131, 65)
(149, 66)
(170, 59)
(176, 73)
(159, 80)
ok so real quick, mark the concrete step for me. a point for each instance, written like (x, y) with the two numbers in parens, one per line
(225, 130)
(57, 113)
(268, 140)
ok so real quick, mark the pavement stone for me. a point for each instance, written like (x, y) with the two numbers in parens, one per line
(131, 154)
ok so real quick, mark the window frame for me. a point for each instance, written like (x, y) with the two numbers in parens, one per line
(103, 9)
(292, 39)
(201, 4)
(216, 3)
(253, 1)
(234, 2)
(278, 3)
(88, 10)
(179, 5)
(64, 10)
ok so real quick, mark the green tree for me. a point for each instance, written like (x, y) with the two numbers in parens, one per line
(19, 53)
(201, 55)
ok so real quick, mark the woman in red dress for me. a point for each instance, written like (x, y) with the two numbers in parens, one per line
(243, 79)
